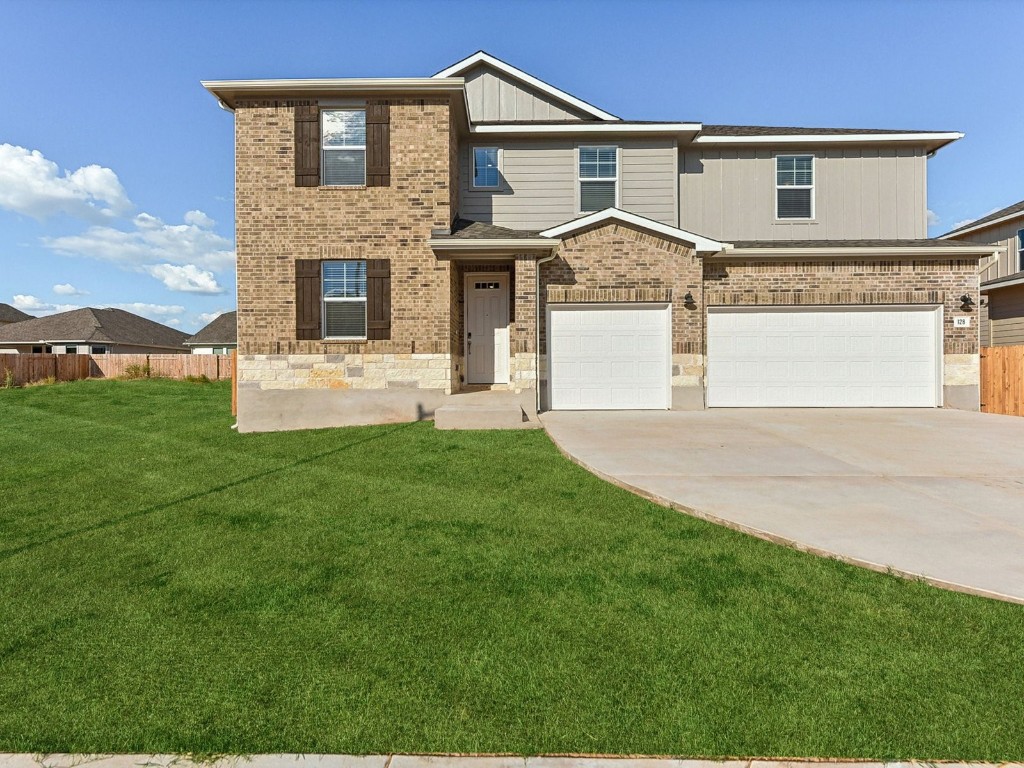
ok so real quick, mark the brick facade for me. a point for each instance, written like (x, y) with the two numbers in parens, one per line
(277, 223)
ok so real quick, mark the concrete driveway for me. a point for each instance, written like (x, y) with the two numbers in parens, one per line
(932, 493)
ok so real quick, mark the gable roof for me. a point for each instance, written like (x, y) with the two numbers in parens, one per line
(9, 314)
(105, 326)
(482, 57)
(1003, 214)
(223, 329)
(699, 242)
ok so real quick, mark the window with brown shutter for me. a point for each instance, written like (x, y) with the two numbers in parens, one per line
(308, 299)
(378, 144)
(307, 146)
(378, 299)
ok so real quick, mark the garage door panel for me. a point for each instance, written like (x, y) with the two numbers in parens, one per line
(826, 357)
(610, 356)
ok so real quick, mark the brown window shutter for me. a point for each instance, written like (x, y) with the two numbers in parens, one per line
(308, 299)
(307, 146)
(378, 299)
(378, 144)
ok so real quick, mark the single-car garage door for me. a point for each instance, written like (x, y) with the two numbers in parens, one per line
(609, 356)
(838, 357)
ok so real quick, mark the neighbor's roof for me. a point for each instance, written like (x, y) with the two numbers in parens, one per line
(1003, 214)
(111, 326)
(9, 314)
(222, 330)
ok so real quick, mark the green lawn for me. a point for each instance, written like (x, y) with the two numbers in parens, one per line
(169, 585)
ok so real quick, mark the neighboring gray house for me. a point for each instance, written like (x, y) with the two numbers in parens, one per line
(9, 314)
(1002, 277)
(218, 338)
(403, 240)
(92, 331)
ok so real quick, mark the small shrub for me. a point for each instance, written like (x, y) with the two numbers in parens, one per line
(42, 382)
(8, 378)
(136, 371)
(201, 379)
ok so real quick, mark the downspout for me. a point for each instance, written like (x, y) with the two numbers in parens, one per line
(536, 326)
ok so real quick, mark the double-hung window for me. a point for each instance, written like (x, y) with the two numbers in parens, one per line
(794, 186)
(485, 167)
(343, 146)
(344, 291)
(1020, 249)
(598, 178)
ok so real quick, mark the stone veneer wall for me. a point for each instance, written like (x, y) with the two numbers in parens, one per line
(346, 371)
(277, 223)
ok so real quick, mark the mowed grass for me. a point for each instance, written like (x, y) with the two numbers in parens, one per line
(169, 585)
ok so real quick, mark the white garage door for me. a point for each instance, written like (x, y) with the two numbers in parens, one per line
(609, 356)
(824, 357)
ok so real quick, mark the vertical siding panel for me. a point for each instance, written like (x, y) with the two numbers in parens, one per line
(834, 179)
(888, 224)
(506, 100)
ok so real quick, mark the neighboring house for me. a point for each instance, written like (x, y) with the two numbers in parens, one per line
(217, 338)
(92, 331)
(1002, 278)
(9, 314)
(401, 240)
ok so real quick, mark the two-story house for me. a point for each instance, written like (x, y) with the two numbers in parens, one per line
(1002, 277)
(404, 240)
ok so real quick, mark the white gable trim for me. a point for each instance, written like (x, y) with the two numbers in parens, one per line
(830, 138)
(699, 242)
(586, 127)
(456, 69)
(968, 228)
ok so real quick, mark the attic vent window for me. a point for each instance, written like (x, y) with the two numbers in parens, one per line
(598, 178)
(794, 187)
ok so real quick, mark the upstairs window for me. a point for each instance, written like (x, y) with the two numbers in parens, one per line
(1020, 249)
(344, 292)
(343, 133)
(485, 167)
(598, 178)
(794, 187)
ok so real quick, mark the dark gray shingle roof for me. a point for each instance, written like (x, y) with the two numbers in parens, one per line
(477, 230)
(782, 244)
(222, 330)
(1001, 213)
(9, 314)
(769, 130)
(109, 326)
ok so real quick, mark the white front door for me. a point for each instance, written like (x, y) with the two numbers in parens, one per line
(824, 357)
(487, 346)
(610, 356)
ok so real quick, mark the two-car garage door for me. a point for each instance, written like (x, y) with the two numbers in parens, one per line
(838, 357)
(618, 356)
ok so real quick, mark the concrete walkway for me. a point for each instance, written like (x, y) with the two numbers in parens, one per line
(937, 494)
(416, 761)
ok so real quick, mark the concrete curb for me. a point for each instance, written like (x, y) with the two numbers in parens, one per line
(662, 501)
(64, 760)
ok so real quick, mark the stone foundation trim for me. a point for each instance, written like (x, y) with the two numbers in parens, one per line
(557, 294)
(808, 298)
(346, 371)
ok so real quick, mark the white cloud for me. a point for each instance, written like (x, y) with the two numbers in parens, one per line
(208, 317)
(958, 224)
(162, 313)
(152, 242)
(32, 185)
(36, 306)
(933, 218)
(188, 278)
(67, 289)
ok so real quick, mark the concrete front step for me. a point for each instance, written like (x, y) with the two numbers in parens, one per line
(489, 416)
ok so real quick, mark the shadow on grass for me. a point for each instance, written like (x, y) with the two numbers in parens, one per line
(110, 523)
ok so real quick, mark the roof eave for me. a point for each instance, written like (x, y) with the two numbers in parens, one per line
(933, 141)
(675, 129)
(511, 244)
(876, 250)
(984, 225)
(227, 92)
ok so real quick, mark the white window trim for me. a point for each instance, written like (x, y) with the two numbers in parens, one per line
(324, 149)
(339, 299)
(1020, 250)
(811, 186)
(580, 179)
(472, 151)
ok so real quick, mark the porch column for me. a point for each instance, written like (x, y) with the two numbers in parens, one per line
(522, 341)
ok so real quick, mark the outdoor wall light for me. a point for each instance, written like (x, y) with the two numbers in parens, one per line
(688, 298)
(966, 302)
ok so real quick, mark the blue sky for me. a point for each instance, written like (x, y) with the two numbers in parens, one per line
(116, 166)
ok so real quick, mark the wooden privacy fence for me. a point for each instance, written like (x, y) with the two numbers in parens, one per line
(1002, 380)
(29, 368)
